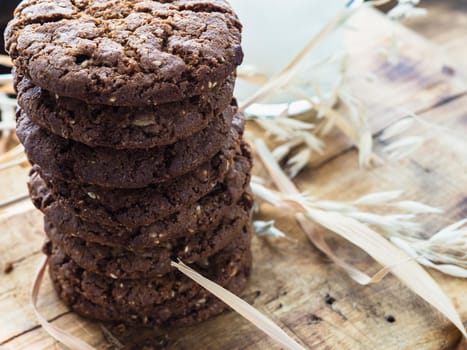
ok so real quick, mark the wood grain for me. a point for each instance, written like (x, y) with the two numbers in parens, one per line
(391, 91)
(294, 284)
(445, 24)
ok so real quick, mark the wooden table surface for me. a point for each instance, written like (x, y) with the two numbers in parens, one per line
(294, 284)
(446, 26)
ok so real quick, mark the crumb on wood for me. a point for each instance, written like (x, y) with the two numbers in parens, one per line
(8, 268)
(313, 319)
(448, 70)
(329, 299)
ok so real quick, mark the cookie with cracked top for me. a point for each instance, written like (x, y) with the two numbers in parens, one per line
(143, 207)
(75, 162)
(121, 263)
(125, 53)
(203, 215)
(140, 294)
(122, 127)
(186, 307)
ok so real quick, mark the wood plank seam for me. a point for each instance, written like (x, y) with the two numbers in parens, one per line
(325, 337)
(377, 133)
(52, 319)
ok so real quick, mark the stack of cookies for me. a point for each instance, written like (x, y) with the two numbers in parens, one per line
(126, 113)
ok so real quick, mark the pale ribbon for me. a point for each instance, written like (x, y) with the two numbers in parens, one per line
(240, 306)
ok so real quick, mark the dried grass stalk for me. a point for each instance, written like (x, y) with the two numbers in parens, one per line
(267, 228)
(242, 307)
(299, 161)
(293, 68)
(58, 334)
(237, 304)
(445, 251)
(448, 269)
(408, 271)
(250, 74)
(316, 238)
(354, 124)
(388, 255)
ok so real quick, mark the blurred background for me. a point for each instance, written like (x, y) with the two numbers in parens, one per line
(445, 24)
(6, 11)
(446, 21)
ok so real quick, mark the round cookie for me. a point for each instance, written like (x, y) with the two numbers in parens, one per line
(200, 216)
(125, 53)
(142, 207)
(110, 300)
(76, 162)
(121, 263)
(143, 294)
(122, 127)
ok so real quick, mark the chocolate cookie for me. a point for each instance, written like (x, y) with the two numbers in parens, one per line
(125, 53)
(132, 295)
(122, 127)
(150, 262)
(204, 215)
(76, 162)
(142, 207)
(155, 302)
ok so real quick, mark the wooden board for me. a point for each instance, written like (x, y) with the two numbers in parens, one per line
(294, 284)
(445, 24)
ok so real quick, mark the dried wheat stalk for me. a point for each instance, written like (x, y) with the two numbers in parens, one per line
(343, 218)
(353, 123)
(357, 231)
(236, 303)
